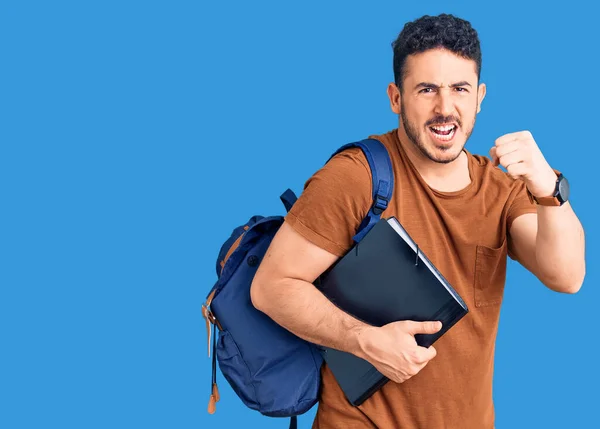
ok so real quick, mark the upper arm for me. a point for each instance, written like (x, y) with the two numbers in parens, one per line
(289, 256)
(319, 227)
(521, 243)
(522, 223)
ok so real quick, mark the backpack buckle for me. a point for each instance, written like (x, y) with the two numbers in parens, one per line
(207, 314)
(380, 204)
(207, 318)
(210, 319)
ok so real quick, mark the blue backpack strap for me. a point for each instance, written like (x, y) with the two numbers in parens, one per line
(288, 198)
(382, 184)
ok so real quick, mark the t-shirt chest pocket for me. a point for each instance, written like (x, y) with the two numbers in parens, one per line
(490, 275)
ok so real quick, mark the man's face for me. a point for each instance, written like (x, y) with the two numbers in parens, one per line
(439, 103)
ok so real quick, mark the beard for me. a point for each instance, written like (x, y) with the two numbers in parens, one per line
(417, 137)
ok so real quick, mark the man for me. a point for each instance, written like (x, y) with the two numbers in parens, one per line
(466, 214)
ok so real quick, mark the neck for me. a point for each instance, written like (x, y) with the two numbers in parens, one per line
(449, 177)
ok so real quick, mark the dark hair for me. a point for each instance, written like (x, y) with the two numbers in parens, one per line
(431, 32)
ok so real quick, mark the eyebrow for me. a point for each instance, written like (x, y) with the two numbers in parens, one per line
(434, 86)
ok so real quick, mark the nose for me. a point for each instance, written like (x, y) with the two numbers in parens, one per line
(444, 104)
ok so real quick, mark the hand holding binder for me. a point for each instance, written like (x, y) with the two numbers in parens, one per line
(393, 350)
(387, 282)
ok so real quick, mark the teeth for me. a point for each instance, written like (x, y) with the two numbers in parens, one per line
(444, 128)
(445, 137)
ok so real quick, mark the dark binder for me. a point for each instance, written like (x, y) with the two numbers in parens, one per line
(382, 279)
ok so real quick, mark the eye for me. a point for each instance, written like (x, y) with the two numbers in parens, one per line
(426, 91)
(461, 89)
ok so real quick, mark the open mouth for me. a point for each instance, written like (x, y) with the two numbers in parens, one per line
(444, 133)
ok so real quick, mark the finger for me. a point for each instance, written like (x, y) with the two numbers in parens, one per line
(493, 155)
(506, 138)
(513, 136)
(508, 147)
(413, 327)
(517, 170)
(511, 158)
(427, 353)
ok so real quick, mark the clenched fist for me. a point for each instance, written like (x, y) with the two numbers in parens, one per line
(523, 159)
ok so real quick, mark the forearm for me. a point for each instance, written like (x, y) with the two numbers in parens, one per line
(560, 248)
(302, 309)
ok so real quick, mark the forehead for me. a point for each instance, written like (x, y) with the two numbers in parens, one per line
(439, 66)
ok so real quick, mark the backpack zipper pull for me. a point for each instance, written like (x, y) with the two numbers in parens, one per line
(212, 405)
(214, 395)
(216, 392)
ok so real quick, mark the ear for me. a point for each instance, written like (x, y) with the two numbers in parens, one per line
(394, 95)
(480, 96)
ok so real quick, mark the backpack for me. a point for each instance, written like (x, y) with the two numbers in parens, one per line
(270, 369)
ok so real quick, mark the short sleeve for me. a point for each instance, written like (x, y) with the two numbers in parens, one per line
(334, 202)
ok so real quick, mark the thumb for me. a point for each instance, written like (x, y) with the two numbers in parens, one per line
(493, 156)
(431, 327)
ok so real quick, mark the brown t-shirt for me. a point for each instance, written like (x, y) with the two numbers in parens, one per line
(464, 234)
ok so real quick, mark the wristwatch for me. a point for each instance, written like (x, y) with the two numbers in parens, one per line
(560, 195)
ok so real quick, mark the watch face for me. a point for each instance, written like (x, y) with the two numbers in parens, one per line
(563, 189)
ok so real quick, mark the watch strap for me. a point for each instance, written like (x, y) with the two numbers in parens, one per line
(546, 201)
(551, 201)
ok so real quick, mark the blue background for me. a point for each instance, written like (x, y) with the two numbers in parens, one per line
(136, 135)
